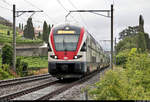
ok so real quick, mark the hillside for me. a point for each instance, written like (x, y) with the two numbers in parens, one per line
(5, 22)
(5, 27)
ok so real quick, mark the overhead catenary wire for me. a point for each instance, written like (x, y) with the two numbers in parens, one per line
(66, 10)
(5, 8)
(6, 2)
(40, 9)
(79, 13)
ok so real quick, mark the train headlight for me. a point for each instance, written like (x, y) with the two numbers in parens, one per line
(55, 57)
(75, 57)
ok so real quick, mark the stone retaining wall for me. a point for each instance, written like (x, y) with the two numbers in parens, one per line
(40, 51)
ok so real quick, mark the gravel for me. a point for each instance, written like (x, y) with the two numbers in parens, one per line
(75, 93)
(40, 93)
(17, 88)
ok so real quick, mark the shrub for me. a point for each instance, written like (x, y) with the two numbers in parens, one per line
(22, 67)
(6, 67)
(4, 74)
(132, 83)
(121, 58)
(8, 32)
(7, 54)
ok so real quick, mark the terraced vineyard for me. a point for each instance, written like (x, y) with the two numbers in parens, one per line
(4, 38)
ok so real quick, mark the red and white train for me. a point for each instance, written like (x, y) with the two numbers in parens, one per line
(73, 52)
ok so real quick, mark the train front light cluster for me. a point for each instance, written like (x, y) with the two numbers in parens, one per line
(77, 56)
(54, 56)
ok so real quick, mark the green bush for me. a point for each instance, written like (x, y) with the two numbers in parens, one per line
(4, 74)
(132, 83)
(7, 54)
(22, 67)
(121, 57)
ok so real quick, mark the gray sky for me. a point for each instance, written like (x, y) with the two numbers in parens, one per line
(126, 13)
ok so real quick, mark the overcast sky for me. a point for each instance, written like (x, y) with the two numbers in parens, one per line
(126, 13)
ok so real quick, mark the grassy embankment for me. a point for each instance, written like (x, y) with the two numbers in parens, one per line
(36, 65)
(128, 83)
(4, 38)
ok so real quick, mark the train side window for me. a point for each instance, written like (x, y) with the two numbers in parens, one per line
(49, 48)
(84, 47)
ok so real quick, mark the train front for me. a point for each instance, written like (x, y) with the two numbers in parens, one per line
(67, 52)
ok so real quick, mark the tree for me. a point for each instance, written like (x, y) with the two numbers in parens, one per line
(49, 29)
(19, 26)
(29, 30)
(22, 26)
(130, 31)
(7, 54)
(141, 43)
(141, 24)
(45, 32)
(8, 32)
(126, 43)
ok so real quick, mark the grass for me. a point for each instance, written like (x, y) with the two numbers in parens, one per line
(4, 38)
(0, 60)
(35, 62)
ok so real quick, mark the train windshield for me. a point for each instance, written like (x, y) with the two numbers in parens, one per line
(66, 42)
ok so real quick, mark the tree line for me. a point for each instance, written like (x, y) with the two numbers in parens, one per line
(134, 37)
(28, 30)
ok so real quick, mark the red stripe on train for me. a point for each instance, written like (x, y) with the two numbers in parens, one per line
(68, 55)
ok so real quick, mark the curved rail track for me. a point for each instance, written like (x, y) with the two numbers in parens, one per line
(26, 91)
(7, 83)
(51, 94)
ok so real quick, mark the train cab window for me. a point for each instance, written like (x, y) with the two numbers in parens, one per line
(66, 42)
(83, 47)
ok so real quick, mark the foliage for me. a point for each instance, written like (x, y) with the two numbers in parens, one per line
(49, 29)
(22, 27)
(21, 67)
(19, 25)
(4, 74)
(132, 83)
(141, 24)
(141, 42)
(126, 43)
(8, 32)
(129, 32)
(7, 54)
(29, 30)
(35, 61)
(45, 32)
(147, 40)
(4, 38)
(121, 57)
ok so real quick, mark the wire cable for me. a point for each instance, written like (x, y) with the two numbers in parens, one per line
(67, 11)
(40, 9)
(6, 8)
(79, 13)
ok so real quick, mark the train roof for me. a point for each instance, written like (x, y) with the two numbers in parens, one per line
(68, 24)
(78, 26)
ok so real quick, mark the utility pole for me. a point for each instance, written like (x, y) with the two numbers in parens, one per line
(16, 14)
(115, 51)
(14, 37)
(95, 12)
(111, 64)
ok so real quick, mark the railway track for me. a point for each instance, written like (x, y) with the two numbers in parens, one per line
(62, 89)
(48, 84)
(7, 83)
(26, 91)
